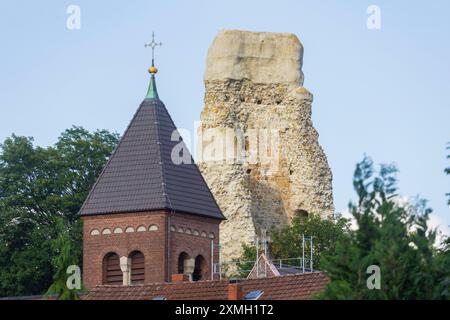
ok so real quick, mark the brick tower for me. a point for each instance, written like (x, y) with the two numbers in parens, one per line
(149, 216)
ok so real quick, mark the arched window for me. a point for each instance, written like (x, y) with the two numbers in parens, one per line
(181, 258)
(200, 269)
(137, 267)
(111, 269)
(95, 232)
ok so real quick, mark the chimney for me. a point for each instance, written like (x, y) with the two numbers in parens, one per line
(180, 277)
(234, 290)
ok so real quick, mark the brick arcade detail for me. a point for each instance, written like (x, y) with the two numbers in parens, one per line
(162, 244)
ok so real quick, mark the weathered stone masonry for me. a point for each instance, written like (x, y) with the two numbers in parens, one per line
(254, 81)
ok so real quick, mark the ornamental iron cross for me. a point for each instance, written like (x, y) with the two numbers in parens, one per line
(153, 45)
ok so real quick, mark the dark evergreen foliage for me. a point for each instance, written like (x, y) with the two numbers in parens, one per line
(392, 235)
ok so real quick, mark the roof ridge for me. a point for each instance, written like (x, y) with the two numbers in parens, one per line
(110, 157)
(193, 162)
(294, 275)
(141, 176)
(225, 281)
(161, 159)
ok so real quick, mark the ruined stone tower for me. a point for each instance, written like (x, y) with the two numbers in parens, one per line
(257, 147)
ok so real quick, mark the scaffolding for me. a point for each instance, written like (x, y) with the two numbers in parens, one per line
(301, 264)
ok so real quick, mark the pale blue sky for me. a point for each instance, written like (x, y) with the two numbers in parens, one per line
(385, 93)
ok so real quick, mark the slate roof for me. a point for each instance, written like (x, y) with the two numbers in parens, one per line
(140, 175)
(292, 287)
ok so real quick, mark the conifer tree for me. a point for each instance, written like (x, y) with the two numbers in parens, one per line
(66, 254)
(391, 235)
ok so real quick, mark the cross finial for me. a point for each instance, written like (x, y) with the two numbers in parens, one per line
(153, 45)
(152, 93)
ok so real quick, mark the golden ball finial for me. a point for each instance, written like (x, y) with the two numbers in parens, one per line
(152, 70)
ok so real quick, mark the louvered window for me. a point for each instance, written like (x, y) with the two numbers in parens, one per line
(137, 267)
(111, 270)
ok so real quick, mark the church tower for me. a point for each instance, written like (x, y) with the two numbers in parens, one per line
(148, 216)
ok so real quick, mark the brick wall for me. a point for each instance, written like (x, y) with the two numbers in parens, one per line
(184, 239)
(152, 243)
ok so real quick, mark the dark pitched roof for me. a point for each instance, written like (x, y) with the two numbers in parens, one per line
(291, 287)
(140, 175)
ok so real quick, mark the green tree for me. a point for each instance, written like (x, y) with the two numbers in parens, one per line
(241, 267)
(38, 186)
(286, 243)
(67, 253)
(25, 253)
(393, 236)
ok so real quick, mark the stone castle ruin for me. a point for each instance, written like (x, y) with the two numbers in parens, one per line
(257, 149)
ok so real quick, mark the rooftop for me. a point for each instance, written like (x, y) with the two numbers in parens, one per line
(290, 287)
(142, 175)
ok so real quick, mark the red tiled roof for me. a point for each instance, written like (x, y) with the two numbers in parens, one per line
(290, 287)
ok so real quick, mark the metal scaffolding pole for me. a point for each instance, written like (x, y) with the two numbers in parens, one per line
(303, 254)
(257, 256)
(265, 252)
(311, 259)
